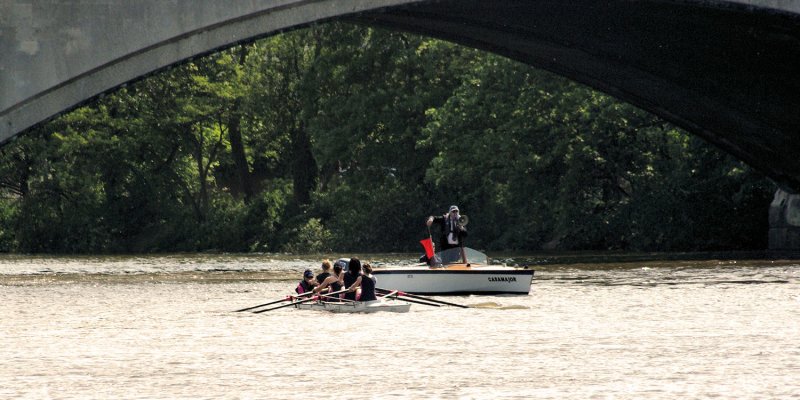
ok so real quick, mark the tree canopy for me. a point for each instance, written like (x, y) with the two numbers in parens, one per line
(342, 137)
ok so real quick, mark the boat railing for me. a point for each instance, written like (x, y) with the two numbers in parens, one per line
(454, 255)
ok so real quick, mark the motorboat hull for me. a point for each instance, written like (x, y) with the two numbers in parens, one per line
(456, 279)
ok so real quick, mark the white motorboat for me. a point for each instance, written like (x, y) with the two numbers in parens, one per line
(451, 276)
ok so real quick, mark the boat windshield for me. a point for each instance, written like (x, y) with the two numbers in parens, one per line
(453, 255)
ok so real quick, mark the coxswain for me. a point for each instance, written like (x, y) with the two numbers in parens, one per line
(307, 284)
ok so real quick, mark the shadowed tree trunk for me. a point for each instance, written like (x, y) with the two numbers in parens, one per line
(304, 167)
(237, 145)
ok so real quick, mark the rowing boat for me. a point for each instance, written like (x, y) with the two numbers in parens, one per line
(382, 304)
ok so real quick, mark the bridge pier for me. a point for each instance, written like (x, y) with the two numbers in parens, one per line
(784, 224)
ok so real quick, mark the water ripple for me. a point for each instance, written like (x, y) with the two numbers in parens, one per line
(637, 331)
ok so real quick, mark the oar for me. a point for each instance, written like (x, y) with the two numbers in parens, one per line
(332, 297)
(287, 305)
(396, 293)
(329, 295)
(420, 302)
(413, 296)
(265, 304)
(297, 302)
(332, 293)
(275, 302)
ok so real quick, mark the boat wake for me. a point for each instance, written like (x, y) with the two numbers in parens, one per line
(497, 306)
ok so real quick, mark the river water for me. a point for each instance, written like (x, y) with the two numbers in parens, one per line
(162, 327)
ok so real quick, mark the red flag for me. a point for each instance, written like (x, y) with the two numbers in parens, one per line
(428, 245)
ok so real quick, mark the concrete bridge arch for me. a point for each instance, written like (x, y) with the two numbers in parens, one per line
(726, 70)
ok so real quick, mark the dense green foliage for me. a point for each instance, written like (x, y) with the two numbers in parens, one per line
(347, 138)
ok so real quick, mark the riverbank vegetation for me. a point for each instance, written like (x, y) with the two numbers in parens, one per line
(345, 137)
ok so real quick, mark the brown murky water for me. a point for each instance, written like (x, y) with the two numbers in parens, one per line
(163, 328)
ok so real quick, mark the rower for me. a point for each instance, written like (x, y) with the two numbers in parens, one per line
(307, 284)
(335, 282)
(368, 282)
(326, 272)
(352, 279)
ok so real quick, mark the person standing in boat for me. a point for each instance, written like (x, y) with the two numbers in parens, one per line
(452, 233)
(307, 284)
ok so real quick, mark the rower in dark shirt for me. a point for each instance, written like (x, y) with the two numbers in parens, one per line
(367, 285)
(333, 283)
(326, 272)
(352, 279)
(338, 284)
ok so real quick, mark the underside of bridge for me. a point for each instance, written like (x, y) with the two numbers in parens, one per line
(728, 73)
(724, 70)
